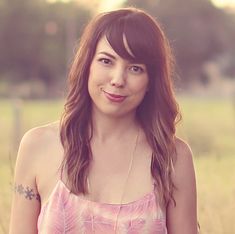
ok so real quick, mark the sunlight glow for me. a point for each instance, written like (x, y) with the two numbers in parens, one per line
(224, 3)
(107, 5)
(96, 5)
(53, 1)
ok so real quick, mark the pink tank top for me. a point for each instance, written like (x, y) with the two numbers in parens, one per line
(68, 213)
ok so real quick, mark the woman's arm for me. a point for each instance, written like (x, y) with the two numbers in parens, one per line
(26, 200)
(182, 218)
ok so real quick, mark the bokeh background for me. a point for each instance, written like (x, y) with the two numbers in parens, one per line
(37, 43)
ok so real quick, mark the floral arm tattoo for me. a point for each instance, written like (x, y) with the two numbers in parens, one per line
(27, 192)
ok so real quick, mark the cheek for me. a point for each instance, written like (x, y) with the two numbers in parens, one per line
(96, 76)
(94, 86)
(91, 84)
(95, 82)
(92, 79)
(141, 87)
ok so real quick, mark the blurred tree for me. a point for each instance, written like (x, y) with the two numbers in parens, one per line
(20, 37)
(35, 38)
(197, 30)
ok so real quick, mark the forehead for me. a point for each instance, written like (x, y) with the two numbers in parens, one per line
(104, 45)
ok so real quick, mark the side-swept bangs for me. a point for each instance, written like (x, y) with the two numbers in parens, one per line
(143, 36)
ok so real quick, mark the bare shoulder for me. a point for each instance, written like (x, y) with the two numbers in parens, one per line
(39, 138)
(34, 168)
(182, 215)
(39, 134)
(35, 145)
(184, 167)
(183, 149)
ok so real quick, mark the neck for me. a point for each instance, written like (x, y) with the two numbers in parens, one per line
(107, 127)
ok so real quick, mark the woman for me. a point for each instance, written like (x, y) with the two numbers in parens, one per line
(113, 164)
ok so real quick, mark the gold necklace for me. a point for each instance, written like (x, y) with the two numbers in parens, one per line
(125, 184)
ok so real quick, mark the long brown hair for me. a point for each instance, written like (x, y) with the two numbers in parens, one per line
(157, 113)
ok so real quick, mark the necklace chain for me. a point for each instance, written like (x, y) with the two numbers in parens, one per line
(125, 184)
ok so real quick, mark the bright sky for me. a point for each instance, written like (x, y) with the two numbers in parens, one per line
(104, 5)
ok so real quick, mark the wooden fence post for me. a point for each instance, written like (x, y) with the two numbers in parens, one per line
(17, 123)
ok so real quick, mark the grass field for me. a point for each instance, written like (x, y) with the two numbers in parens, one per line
(208, 125)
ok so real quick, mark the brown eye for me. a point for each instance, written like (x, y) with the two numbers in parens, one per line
(105, 61)
(136, 69)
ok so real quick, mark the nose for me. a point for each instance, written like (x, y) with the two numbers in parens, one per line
(118, 77)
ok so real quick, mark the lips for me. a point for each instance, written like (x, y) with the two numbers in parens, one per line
(114, 97)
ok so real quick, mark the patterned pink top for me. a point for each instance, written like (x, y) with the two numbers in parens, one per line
(68, 213)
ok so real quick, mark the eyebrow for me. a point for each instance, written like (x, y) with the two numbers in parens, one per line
(113, 57)
(107, 54)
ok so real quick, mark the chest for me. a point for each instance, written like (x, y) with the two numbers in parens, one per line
(120, 175)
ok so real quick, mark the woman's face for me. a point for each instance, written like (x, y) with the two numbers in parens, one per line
(116, 86)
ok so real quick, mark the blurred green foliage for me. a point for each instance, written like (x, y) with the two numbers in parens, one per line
(37, 39)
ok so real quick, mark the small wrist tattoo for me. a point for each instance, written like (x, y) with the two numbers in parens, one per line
(27, 192)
